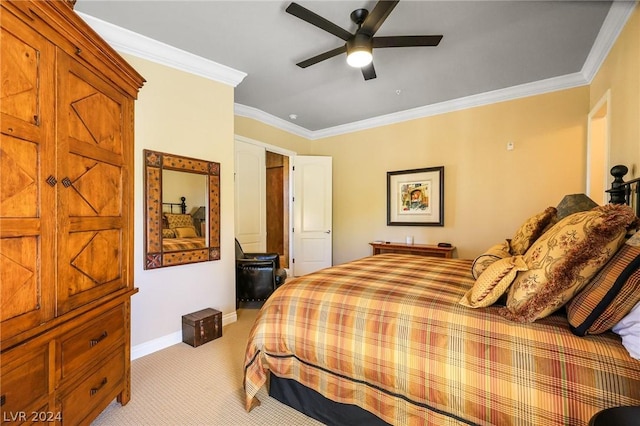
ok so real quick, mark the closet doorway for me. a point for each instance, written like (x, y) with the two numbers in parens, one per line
(262, 182)
(277, 205)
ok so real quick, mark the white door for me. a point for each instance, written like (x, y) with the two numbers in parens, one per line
(312, 223)
(250, 197)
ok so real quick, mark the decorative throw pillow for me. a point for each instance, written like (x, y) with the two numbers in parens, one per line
(168, 233)
(531, 230)
(493, 282)
(564, 259)
(610, 295)
(185, 232)
(494, 253)
(178, 220)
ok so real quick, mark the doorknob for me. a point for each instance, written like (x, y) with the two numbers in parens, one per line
(328, 232)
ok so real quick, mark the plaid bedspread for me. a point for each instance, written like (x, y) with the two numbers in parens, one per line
(177, 244)
(386, 333)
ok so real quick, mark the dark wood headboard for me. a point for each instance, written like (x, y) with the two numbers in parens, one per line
(182, 206)
(624, 192)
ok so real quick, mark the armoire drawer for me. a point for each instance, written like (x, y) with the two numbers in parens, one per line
(24, 379)
(98, 389)
(90, 341)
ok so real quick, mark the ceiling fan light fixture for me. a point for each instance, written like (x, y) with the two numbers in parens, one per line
(359, 51)
(359, 58)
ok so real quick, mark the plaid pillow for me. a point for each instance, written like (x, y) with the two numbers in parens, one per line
(609, 296)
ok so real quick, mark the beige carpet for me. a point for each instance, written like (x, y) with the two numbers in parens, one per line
(182, 385)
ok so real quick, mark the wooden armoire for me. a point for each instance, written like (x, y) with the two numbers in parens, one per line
(66, 216)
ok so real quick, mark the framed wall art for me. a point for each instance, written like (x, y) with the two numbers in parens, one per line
(416, 197)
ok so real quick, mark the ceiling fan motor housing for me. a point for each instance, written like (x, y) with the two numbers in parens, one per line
(359, 42)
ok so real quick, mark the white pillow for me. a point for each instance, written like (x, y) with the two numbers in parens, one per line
(629, 329)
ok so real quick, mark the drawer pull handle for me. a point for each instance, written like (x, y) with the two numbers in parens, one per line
(94, 342)
(3, 399)
(94, 391)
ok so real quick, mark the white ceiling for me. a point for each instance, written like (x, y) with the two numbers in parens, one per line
(489, 47)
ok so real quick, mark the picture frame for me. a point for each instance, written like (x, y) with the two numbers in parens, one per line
(416, 197)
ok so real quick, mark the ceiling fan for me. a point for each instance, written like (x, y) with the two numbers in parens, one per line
(359, 46)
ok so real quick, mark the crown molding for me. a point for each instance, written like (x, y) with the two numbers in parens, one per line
(536, 88)
(613, 24)
(135, 44)
(510, 93)
(272, 120)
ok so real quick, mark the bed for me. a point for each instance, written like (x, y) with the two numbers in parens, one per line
(391, 339)
(178, 228)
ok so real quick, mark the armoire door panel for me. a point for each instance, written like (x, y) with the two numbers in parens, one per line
(93, 233)
(27, 159)
(21, 71)
(96, 187)
(18, 270)
(95, 115)
(93, 268)
(19, 162)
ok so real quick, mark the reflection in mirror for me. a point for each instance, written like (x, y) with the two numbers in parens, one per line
(182, 206)
(184, 198)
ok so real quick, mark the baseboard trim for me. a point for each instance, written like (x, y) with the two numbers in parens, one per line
(155, 345)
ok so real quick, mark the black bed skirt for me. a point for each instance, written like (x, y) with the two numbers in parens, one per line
(315, 405)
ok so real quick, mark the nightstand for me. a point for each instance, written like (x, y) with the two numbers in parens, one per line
(417, 249)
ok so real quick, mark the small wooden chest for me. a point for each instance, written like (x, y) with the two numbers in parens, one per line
(201, 327)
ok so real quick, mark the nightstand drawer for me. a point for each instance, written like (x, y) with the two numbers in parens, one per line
(91, 341)
(95, 390)
(24, 379)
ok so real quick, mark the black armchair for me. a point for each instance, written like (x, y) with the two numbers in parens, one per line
(257, 275)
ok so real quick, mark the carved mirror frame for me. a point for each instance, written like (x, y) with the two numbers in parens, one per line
(154, 163)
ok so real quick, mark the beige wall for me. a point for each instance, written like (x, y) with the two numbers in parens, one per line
(183, 114)
(620, 73)
(489, 190)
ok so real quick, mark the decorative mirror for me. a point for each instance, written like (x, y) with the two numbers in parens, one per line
(182, 210)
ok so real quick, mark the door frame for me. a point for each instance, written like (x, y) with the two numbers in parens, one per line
(287, 153)
(601, 111)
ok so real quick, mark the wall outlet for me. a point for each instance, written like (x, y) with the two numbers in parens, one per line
(510, 146)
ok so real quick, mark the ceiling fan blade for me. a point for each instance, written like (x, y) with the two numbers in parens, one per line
(306, 15)
(407, 41)
(369, 72)
(321, 57)
(377, 16)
